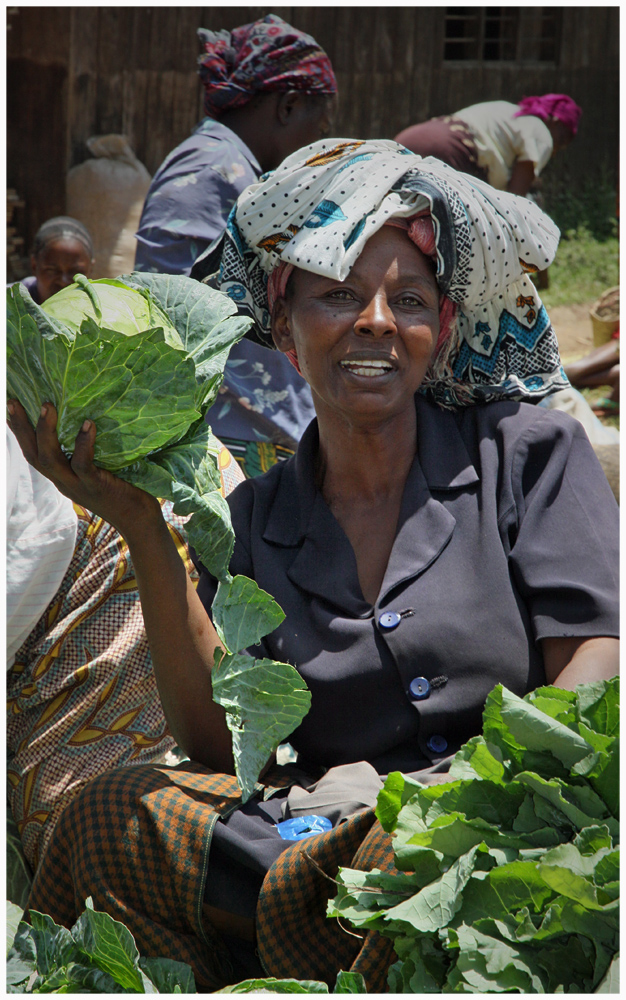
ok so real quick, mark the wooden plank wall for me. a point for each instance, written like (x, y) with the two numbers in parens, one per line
(74, 72)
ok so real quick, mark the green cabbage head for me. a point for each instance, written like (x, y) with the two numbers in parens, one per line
(113, 305)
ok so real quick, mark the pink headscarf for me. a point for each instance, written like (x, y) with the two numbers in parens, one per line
(420, 230)
(558, 106)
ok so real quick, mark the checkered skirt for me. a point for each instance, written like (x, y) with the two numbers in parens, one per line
(137, 841)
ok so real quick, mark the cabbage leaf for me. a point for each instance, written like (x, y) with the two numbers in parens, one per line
(143, 356)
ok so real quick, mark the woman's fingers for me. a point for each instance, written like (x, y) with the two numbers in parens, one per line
(52, 461)
(82, 459)
(23, 430)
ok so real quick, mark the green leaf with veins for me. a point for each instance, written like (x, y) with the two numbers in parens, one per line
(243, 613)
(139, 391)
(211, 534)
(182, 472)
(264, 702)
(110, 945)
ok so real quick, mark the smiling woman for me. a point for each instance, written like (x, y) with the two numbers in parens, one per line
(434, 535)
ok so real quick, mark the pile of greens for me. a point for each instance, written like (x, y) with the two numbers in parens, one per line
(143, 356)
(508, 875)
(98, 955)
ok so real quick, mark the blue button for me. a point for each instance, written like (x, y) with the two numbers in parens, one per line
(419, 688)
(389, 620)
(438, 744)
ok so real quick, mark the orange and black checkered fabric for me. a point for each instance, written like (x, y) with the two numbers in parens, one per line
(137, 840)
(295, 937)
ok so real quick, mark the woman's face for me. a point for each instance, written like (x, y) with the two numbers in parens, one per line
(364, 344)
(58, 262)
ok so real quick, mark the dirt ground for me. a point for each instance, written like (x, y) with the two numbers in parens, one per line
(573, 329)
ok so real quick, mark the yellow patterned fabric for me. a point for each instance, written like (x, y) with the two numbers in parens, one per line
(82, 697)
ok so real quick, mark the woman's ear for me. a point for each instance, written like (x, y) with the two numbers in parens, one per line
(287, 100)
(281, 326)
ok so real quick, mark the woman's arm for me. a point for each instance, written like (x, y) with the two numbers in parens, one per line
(181, 637)
(572, 661)
(522, 177)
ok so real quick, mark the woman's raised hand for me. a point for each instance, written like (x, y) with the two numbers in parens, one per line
(78, 478)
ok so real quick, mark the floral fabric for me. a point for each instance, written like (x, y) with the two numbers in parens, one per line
(190, 198)
(266, 55)
(318, 209)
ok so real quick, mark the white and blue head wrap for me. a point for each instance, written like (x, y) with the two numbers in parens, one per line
(318, 209)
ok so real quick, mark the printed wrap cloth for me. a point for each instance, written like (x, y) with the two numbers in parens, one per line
(322, 204)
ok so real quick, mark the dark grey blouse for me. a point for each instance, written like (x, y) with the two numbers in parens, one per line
(508, 534)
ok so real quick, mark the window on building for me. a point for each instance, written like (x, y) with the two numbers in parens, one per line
(501, 34)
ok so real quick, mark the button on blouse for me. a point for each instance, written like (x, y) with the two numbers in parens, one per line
(507, 534)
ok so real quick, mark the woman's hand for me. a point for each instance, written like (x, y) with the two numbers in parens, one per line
(122, 505)
(180, 634)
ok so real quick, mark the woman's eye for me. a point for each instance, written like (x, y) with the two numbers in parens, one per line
(342, 294)
(410, 300)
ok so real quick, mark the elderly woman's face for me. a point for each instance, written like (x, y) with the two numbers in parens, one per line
(57, 263)
(364, 344)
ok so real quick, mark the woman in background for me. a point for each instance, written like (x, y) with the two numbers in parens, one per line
(62, 248)
(506, 144)
(268, 89)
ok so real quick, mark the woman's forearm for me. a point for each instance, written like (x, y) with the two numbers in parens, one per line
(182, 643)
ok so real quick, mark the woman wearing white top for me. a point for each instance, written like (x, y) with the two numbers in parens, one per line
(506, 144)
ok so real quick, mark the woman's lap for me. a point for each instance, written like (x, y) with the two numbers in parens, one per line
(137, 841)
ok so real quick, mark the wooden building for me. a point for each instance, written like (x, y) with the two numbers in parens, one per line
(74, 72)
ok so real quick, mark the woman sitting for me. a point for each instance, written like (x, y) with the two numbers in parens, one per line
(433, 536)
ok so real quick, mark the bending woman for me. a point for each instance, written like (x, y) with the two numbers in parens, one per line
(506, 144)
(434, 535)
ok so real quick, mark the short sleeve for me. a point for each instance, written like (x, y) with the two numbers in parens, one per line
(564, 528)
(532, 141)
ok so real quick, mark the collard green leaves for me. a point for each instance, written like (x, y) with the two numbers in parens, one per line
(513, 883)
(264, 702)
(98, 955)
(143, 357)
(243, 613)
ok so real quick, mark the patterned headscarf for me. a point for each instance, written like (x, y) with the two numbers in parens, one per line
(319, 208)
(264, 56)
(558, 106)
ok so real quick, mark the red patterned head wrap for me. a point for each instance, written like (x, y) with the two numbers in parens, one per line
(420, 230)
(264, 56)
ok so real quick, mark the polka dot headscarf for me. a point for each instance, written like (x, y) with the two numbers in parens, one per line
(318, 209)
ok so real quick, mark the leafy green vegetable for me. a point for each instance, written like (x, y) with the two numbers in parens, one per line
(261, 616)
(98, 955)
(264, 702)
(143, 356)
(111, 304)
(138, 390)
(511, 881)
(347, 982)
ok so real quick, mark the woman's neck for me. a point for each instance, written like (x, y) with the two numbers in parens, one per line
(365, 462)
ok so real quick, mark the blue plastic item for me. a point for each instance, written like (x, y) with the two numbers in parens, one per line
(303, 826)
